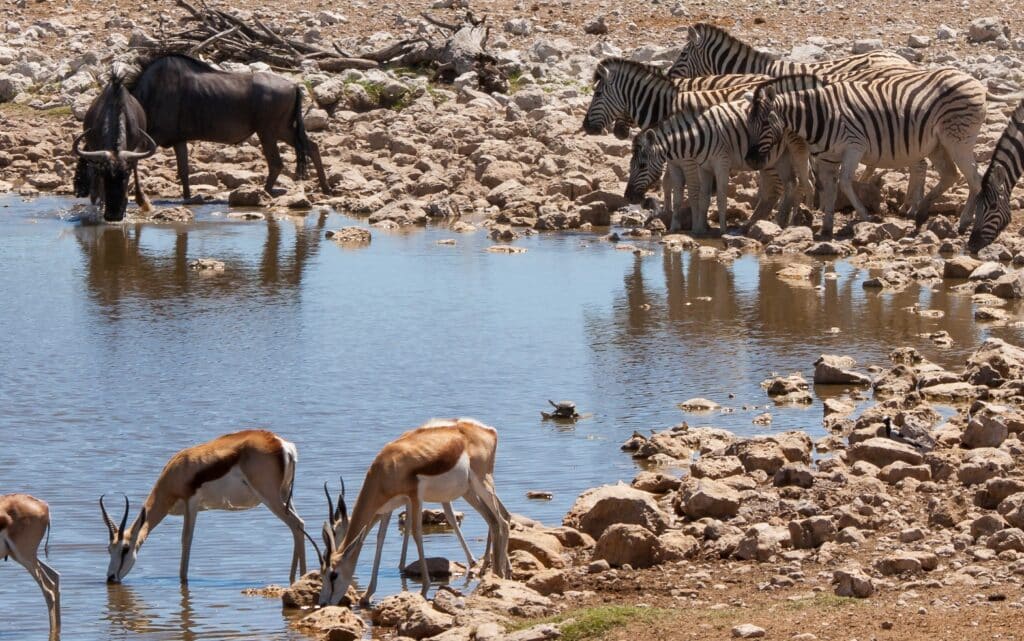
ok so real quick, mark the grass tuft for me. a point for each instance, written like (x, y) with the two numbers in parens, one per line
(592, 623)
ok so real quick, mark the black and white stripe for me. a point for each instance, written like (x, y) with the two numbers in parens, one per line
(712, 145)
(713, 50)
(991, 210)
(893, 122)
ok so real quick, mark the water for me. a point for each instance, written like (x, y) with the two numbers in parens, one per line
(116, 355)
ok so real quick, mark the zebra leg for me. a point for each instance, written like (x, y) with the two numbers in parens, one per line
(722, 194)
(915, 188)
(867, 174)
(947, 177)
(963, 156)
(847, 170)
(703, 201)
(666, 195)
(678, 201)
(827, 175)
(694, 190)
(769, 188)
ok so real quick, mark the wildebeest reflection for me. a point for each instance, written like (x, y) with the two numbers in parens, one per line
(119, 265)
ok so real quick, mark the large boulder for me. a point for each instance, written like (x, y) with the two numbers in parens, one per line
(546, 547)
(626, 544)
(960, 267)
(838, 370)
(995, 490)
(906, 563)
(811, 532)
(412, 615)
(759, 454)
(982, 464)
(334, 623)
(994, 360)
(1012, 509)
(1009, 286)
(853, 583)
(304, 593)
(1008, 539)
(504, 597)
(708, 498)
(597, 509)
(547, 582)
(984, 430)
(987, 28)
(716, 467)
(676, 546)
(761, 542)
(882, 451)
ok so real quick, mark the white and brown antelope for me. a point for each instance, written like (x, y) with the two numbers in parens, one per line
(232, 472)
(439, 462)
(23, 522)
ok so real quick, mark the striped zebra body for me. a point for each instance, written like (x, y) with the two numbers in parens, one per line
(713, 144)
(637, 94)
(713, 50)
(991, 210)
(893, 123)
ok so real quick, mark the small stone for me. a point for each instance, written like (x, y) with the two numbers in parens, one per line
(747, 631)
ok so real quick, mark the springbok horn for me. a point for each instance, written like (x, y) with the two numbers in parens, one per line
(124, 519)
(330, 505)
(141, 155)
(328, 534)
(319, 555)
(109, 521)
(341, 503)
(88, 155)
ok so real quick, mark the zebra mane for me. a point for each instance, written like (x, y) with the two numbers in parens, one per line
(708, 31)
(642, 67)
(792, 82)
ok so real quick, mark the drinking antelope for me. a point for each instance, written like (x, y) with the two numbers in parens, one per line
(438, 462)
(23, 522)
(232, 472)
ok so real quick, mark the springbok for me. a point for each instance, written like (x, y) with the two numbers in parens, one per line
(438, 462)
(23, 522)
(235, 471)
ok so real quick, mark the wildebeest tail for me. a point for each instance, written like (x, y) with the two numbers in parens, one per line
(301, 139)
(83, 178)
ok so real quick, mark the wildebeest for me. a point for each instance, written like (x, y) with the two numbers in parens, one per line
(186, 99)
(115, 140)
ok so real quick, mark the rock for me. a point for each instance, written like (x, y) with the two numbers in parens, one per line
(626, 544)
(899, 470)
(906, 563)
(539, 632)
(759, 454)
(883, 451)
(716, 467)
(248, 196)
(518, 27)
(761, 542)
(437, 566)
(1007, 539)
(837, 370)
(596, 27)
(987, 29)
(598, 508)
(317, 120)
(989, 270)
(959, 267)
(334, 623)
(995, 361)
(916, 41)
(350, 235)
(811, 532)
(866, 45)
(795, 271)
(982, 464)
(898, 381)
(788, 389)
(1009, 286)
(987, 525)
(945, 32)
(708, 498)
(12, 85)
(412, 615)
(676, 546)
(1012, 509)
(546, 547)
(793, 474)
(304, 593)
(699, 405)
(853, 583)
(504, 597)
(764, 231)
(995, 490)
(984, 430)
(747, 631)
(547, 582)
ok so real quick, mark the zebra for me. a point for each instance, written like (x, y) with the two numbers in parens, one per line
(991, 211)
(713, 50)
(713, 144)
(892, 122)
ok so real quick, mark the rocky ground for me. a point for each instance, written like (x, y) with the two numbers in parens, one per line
(899, 524)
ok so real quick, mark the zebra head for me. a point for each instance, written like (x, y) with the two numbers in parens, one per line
(607, 107)
(692, 60)
(764, 127)
(991, 209)
(645, 167)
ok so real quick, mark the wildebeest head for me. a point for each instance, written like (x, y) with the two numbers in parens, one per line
(113, 169)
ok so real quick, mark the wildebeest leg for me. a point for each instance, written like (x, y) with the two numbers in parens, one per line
(314, 153)
(274, 162)
(140, 196)
(181, 153)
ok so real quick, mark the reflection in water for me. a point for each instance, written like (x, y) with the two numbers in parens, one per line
(119, 264)
(127, 611)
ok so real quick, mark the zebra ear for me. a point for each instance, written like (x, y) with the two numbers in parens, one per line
(749, 96)
(647, 137)
(692, 35)
(999, 177)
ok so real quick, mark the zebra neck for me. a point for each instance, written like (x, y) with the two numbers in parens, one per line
(1009, 152)
(679, 138)
(652, 107)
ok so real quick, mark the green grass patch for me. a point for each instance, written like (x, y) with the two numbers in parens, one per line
(593, 623)
(18, 110)
(515, 81)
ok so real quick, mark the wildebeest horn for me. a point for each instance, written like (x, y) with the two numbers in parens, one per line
(124, 519)
(109, 521)
(141, 155)
(88, 155)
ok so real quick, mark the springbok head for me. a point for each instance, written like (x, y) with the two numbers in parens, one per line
(122, 545)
